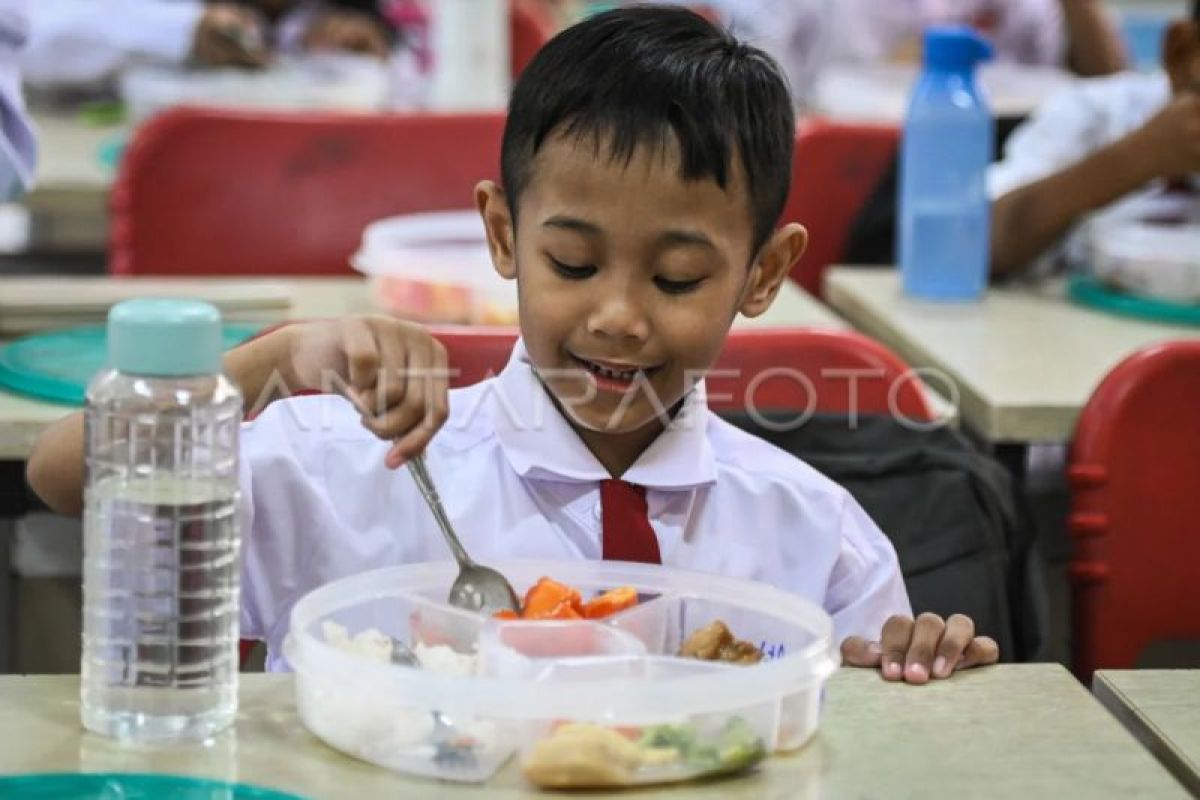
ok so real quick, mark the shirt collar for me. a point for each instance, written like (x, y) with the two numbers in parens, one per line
(540, 444)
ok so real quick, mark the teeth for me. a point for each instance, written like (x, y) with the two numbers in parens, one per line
(609, 373)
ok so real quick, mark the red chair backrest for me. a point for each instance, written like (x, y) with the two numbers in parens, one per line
(531, 27)
(227, 192)
(835, 169)
(1135, 508)
(802, 369)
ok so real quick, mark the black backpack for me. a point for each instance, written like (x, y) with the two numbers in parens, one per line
(962, 535)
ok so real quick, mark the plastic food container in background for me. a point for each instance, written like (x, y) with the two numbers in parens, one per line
(316, 82)
(1151, 259)
(580, 703)
(435, 267)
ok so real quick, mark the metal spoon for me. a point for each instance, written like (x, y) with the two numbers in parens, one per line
(477, 588)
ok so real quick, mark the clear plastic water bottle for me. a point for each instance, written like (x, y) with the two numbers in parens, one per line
(161, 538)
(946, 148)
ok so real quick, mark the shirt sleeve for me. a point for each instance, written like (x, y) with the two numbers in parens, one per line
(85, 41)
(865, 587)
(18, 148)
(276, 476)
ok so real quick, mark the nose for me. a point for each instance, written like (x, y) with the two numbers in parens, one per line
(618, 313)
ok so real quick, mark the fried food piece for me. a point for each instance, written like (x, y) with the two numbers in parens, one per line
(715, 642)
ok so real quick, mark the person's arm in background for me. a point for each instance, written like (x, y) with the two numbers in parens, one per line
(1028, 220)
(1094, 45)
(80, 42)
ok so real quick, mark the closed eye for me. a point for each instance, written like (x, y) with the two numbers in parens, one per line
(572, 272)
(677, 287)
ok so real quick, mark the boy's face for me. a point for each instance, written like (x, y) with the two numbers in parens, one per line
(628, 276)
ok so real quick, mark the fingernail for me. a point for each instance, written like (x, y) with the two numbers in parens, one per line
(939, 666)
(873, 649)
(892, 669)
(917, 672)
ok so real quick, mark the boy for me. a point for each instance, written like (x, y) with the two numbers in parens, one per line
(645, 162)
(1118, 145)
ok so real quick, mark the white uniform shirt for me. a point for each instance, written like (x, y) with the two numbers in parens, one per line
(806, 35)
(1072, 125)
(517, 482)
(90, 41)
(18, 149)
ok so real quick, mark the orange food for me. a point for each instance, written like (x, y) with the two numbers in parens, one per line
(611, 602)
(506, 614)
(544, 599)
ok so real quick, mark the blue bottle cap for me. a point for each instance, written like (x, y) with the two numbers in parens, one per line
(955, 47)
(164, 337)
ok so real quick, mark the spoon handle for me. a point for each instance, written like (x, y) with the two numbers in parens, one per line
(416, 466)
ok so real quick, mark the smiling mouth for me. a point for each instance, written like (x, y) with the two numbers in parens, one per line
(620, 373)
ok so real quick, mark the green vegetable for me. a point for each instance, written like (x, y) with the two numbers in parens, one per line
(735, 748)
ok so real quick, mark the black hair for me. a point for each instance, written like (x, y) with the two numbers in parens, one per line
(1196, 11)
(634, 76)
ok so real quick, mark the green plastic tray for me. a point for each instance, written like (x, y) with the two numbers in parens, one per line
(128, 786)
(57, 366)
(1088, 291)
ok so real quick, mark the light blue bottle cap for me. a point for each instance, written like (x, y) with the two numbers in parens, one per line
(955, 47)
(164, 337)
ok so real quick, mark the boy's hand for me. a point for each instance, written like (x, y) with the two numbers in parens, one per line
(914, 651)
(394, 372)
(1171, 138)
(229, 35)
(347, 31)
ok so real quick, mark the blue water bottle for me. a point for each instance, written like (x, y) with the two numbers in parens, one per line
(946, 149)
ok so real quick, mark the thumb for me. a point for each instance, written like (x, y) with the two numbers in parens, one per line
(858, 652)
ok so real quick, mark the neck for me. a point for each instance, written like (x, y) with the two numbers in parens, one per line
(617, 452)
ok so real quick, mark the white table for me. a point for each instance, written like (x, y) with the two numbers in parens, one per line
(1161, 708)
(1024, 360)
(1024, 731)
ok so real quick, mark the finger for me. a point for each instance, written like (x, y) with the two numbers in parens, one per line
(897, 632)
(431, 385)
(981, 651)
(960, 630)
(362, 359)
(860, 652)
(391, 377)
(927, 634)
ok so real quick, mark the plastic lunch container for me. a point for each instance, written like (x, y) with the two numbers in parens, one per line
(1149, 259)
(435, 267)
(585, 703)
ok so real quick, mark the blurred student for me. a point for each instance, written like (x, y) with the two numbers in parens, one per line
(83, 42)
(807, 35)
(1125, 146)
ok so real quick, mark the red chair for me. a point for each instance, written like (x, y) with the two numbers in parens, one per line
(835, 169)
(531, 27)
(819, 370)
(225, 192)
(1135, 508)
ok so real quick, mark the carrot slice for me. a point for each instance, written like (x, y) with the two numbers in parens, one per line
(545, 596)
(505, 613)
(611, 602)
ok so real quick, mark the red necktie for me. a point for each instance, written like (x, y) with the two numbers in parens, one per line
(627, 532)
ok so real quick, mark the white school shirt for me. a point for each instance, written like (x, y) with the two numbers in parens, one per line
(1073, 124)
(18, 148)
(517, 482)
(84, 42)
(805, 36)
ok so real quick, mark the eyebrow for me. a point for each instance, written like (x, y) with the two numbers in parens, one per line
(670, 238)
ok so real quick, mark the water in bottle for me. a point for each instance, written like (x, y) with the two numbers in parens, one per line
(161, 534)
(946, 148)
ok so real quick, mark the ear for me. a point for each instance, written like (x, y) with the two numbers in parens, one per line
(769, 271)
(1181, 54)
(498, 223)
